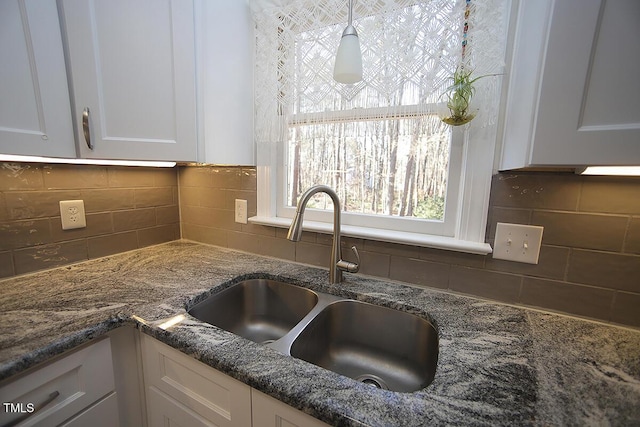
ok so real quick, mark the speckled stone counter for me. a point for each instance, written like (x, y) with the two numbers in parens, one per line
(498, 365)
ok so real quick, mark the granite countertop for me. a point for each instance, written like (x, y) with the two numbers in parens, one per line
(498, 365)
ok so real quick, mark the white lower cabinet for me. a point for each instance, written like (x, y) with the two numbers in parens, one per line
(180, 388)
(181, 391)
(77, 389)
(270, 412)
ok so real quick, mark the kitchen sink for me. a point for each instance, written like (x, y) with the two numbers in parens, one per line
(258, 309)
(385, 348)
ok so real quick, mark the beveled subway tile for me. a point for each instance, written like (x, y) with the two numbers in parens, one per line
(248, 179)
(552, 264)
(208, 235)
(484, 283)
(276, 248)
(167, 215)
(6, 264)
(395, 249)
(37, 204)
(103, 200)
(49, 256)
(21, 176)
(243, 242)
(452, 257)
(578, 230)
(262, 230)
(209, 217)
(632, 240)
(21, 234)
(112, 244)
(566, 297)
(626, 309)
(147, 197)
(226, 177)
(131, 177)
(610, 195)
(4, 214)
(157, 235)
(607, 270)
(215, 198)
(375, 264)
(163, 177)
(190, 196)
(195, 176)
(75, 176)
(97, 224)
(313, 254)
(536, 191)
(134, 219)
(419, 272)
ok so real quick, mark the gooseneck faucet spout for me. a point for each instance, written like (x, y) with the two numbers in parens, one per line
(337, 264)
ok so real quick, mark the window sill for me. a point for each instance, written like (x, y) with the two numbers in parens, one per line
(415, 239)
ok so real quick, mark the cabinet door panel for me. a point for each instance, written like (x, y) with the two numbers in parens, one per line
(35, 117)
(133, 67)
(269, 412)
(589, 110)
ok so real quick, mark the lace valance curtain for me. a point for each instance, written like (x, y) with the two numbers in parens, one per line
(410, 49)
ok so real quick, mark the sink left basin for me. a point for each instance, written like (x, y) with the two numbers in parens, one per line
(260, 310)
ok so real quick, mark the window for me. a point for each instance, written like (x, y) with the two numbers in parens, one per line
(402, 175)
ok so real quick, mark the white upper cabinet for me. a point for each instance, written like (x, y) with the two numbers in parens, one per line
(35, 116)
(132, 68)
(225, 44)
(574, 94)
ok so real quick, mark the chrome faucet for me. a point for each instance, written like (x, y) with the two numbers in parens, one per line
(337, 264)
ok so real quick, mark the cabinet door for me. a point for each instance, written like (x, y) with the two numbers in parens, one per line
(132, 69)
(589, 111)
(270, 412)
(216, 398)
(102, 414)
(35, 116)
(61, 389)
(573, 87)
(165, 411)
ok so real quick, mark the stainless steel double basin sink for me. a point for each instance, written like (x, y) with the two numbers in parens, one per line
(383, 347)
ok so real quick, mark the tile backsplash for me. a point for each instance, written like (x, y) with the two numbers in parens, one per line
(126, 208)
(589, 262)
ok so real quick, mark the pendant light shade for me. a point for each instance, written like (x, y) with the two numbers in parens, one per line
(348, 66)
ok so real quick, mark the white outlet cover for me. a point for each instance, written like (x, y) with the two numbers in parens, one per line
(72, 214)
(517, 242)
(241, 211)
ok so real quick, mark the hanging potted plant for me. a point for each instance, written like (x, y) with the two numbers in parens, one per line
(456, 107)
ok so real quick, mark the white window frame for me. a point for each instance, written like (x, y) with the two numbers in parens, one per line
(470, 171)
(473, 202)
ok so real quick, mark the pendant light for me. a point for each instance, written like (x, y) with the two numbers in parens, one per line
(348, 66)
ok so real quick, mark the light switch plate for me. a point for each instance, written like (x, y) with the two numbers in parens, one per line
(241, 211)
(516, 242)
(72, 214)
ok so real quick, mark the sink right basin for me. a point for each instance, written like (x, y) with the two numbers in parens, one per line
(385, 348)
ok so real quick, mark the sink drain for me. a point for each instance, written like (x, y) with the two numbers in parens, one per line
(373, 381)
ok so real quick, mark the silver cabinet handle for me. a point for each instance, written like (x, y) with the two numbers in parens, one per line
(85, 128)
(36, 408)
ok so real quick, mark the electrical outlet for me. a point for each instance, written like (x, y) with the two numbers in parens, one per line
(241, 211)
(516, 242)
(72, 214)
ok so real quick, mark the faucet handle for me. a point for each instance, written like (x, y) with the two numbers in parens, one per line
(351, 267)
